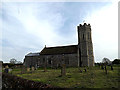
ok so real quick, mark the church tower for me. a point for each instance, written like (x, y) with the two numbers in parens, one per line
(85, 46)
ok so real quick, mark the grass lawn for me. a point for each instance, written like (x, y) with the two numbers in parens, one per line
(95, 77)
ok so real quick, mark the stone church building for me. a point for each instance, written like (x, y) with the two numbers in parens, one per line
(72, 55)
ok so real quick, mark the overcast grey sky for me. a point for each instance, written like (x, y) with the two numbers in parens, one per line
(29, 26)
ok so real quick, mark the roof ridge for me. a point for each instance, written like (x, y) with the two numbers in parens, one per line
(59, 50)
(62, 46)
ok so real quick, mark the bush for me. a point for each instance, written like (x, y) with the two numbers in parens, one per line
(116, 61)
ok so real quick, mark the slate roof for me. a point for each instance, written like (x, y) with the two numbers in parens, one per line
(59, 50)
(33, 54)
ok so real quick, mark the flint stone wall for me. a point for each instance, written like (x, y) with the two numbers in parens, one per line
(70, 60)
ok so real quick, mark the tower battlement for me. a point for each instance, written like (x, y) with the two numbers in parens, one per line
(84, 25)
(85, 45)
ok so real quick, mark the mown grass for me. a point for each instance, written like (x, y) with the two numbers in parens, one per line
(95, 77)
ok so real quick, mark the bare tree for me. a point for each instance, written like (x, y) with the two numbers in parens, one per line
(13, 61)
(18, 62)
(106, 61)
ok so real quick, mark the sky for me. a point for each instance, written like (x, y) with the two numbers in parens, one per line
(29, 26)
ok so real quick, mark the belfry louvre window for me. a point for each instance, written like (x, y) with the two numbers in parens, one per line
(88, 36)
(83, 36)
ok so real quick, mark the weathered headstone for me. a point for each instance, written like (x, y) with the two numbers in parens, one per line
(36, 67)
(102, 67)
(28, 69)
(45, 69)
(63, 70)
(33, 68)
(23, 69)
(6, 66)
(6, 70)
(45, 66)
(99, 65)
(9, 69)
(105, 70)
(111, 67)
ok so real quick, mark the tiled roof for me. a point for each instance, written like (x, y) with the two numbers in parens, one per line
(59, 50)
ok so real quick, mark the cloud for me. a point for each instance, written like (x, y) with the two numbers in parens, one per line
(28, 27)
(105, 32)
(24, 28)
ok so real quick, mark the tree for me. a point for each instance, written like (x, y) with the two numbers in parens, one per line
(18, 62)
(106, 61)
(116, 61)
(13, 61)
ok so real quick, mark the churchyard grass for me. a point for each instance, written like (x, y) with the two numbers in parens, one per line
(95, 77)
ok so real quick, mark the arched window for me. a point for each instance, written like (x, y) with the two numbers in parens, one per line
(83, 36)
(88, 36)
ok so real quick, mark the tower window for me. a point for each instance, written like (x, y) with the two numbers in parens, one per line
(83, 36)
(88, 36)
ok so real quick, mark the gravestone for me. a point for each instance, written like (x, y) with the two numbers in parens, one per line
(6, 66)
(99, 65)
(28, 69)
(9, 70)
(105, 70)
(6, 70)
(63, 70)
(23, 69)
(33, 69)
(45, 66)
(36, 67)
(111, 67)
(102, 67)
(45, 69)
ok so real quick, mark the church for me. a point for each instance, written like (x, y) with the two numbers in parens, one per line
(71, 55)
